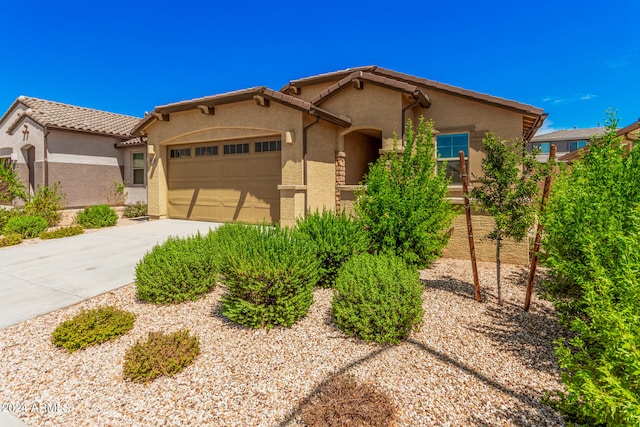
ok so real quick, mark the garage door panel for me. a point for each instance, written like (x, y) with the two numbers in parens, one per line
(240, 187)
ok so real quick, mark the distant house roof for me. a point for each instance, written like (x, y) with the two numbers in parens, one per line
(64, 116)
(584, 134)
(630, 133)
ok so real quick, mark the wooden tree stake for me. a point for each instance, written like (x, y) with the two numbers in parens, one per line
(467, 210)
(536, 247)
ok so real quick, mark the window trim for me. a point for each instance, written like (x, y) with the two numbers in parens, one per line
(133, 169)
(439, 160)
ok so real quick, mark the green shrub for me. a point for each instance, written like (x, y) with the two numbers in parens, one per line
(404, 204)
(378, 298)
(180, 269)
(10, 240)
(338, 237)
(343, 402)
(97, 217)
(28, 226)
(62, 232)
(47, 203)
(269, 274)
(93, 327)
(592, 248)
(7, 214)
(11, 187)
(135, 210)
(159, 355)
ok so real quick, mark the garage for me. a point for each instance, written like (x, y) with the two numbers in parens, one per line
(225, 181)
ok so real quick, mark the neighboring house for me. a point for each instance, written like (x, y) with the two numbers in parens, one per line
(86, 150)
(566, 141)
(630, 136)
(264, 155)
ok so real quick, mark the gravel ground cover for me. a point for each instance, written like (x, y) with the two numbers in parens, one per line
(470, 364)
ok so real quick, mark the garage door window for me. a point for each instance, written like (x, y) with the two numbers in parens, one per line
(266, 146)
(175, 153)
(211, 150)
(236, 148)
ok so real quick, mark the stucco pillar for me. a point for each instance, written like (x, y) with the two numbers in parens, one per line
(341, 177)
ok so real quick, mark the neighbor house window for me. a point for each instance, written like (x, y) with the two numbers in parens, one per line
(180, 152)
(138, 174)
(543, 146)
(266, 146)
(211, 150)
(448, 147)
(236, 148)
(574, 145)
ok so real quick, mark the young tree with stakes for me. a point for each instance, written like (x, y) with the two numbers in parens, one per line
(507, 190)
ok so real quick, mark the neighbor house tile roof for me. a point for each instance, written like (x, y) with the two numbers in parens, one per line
(64, 116)
(584, 134)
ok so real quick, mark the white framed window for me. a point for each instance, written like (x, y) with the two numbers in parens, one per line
(138, 173)
(447, 148)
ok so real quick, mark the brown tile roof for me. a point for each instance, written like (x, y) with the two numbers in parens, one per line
(374, 79)
(132, 142)
(245, 95)
(569, 135)
(64, 116)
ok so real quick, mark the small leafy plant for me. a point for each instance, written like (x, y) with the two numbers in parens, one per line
(378, 298)
(47, 203)
(269, 274)
(338, 237)
(11, 187)
(97, 217)
(161, 354)
(10, 240)
(28, 226)
(62, 232)
(117, 193)
(7, 214)
(93, 327)
(344, 402)
(135, 210)
(180, 269)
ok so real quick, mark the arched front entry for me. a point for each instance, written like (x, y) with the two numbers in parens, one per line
(361, 147)
(29, 152)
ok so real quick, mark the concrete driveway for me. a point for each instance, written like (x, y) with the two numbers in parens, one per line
(42, 277)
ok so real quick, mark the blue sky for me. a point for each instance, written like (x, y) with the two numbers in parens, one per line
(574, 59)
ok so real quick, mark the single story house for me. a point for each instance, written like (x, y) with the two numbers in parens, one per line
(264, 155)
(86, 150)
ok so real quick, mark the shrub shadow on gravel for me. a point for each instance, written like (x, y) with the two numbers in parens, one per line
(454, 286)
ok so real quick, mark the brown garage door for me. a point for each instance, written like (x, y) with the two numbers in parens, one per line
(225, 181)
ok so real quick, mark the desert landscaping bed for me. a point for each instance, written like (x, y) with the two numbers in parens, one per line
(470, 364)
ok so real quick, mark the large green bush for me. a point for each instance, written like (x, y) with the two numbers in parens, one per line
(92, 327)
(378, 298)
(404, 204)
(97, 217)
(269, 274)
(161, 354)
(47, 203)
(180, 269)
(338, 237)
(28, 226)
(592, 248)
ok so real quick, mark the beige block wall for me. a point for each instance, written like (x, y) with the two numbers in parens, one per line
(511, 252)
(84, 184)
(321, 167)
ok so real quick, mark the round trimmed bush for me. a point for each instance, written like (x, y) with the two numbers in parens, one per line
(269, 274)
(180, 269)
(28, 226)
(378, 298)
(161, 354)
(97, 217)
(338, 237)
(92, 327)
